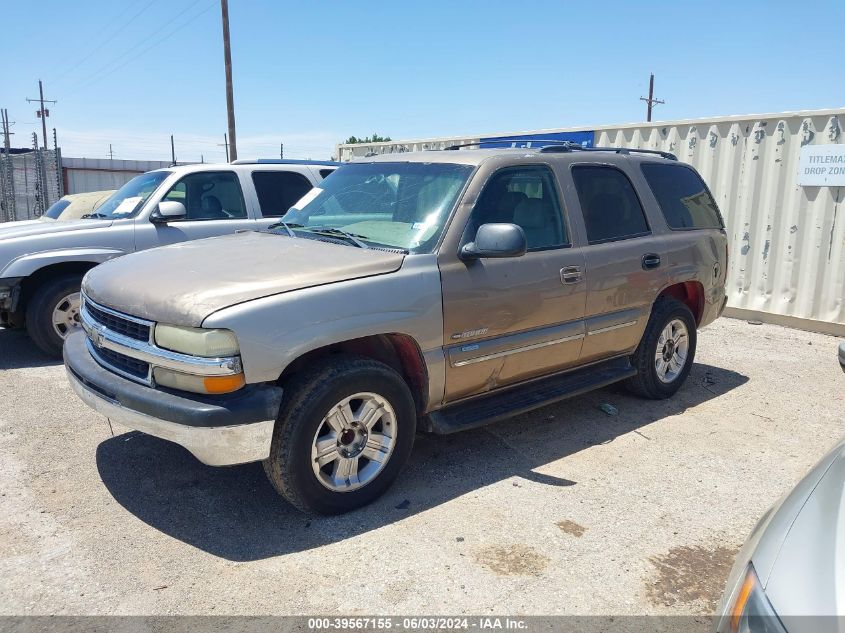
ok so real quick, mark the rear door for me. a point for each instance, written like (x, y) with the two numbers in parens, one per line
(214, 203)
(277, 191)
(625, 259)
(509, 320)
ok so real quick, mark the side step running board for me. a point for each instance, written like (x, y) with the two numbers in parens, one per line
(515, 400)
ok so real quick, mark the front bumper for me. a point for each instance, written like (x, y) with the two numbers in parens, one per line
(10, 293)
(842, 355)
(218, 430)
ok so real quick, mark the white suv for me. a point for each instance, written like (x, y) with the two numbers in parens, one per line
(42, 263)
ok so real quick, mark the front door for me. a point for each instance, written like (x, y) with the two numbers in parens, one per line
(508, 320)
(214, 204)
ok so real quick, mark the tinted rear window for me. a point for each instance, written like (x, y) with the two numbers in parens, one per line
(278, 191)
(682, 196)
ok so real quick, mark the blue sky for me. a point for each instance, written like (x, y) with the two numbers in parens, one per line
(309, 74)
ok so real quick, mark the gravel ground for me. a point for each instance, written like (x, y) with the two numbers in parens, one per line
(566, 510)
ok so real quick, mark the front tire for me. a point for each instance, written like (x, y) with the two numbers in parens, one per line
(666, 352)
(52, 313)
(344, 432)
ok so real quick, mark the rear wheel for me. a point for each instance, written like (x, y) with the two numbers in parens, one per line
(666, 352)
(52, 313)
(344, 432)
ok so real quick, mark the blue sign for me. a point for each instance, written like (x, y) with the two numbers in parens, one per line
(584, 139)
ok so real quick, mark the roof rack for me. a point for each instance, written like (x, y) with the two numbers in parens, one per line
(559, 146)
(510, 140)
(283, 161)
(618, 150)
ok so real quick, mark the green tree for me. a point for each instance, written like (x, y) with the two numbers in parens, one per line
(375, 138)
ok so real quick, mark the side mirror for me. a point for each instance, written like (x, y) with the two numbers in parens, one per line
(496, 240)
(168, 210)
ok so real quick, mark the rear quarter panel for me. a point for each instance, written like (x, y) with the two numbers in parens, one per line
(699, 255)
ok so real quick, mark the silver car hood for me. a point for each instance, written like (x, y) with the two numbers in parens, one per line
(184, 283)
(808, 576)
(32, 228)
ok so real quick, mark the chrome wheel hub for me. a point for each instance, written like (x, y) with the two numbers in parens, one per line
(353, 442)
(672, 351)
(66, 315)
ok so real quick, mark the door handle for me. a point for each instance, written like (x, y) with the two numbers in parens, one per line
(571, 275)
(651, 261)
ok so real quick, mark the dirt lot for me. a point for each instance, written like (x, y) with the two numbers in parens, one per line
(565, 510)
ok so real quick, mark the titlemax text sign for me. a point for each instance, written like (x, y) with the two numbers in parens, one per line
(822, 166)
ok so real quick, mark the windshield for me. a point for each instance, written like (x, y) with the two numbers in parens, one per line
(397, 205)
(56, 208)
(128, 200)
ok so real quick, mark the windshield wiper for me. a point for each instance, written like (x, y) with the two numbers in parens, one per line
(287, 226)
(330, 230)
(93, 215)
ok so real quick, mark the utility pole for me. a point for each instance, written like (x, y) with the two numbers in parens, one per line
(111, 153)
(230, 99)
(7, 131)
(651, 101)
(282, 151)
(43, 113)
(7, 180)
(225, 144)
(172, 150)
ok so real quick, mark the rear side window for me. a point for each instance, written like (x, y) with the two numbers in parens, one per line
(682, 196)
(324, 173)
(611, 208)
(278, 191)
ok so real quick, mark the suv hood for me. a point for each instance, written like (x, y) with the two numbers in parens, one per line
(184, 283)
(30, 228)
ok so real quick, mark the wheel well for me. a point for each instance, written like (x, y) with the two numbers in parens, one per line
(691, 293)
(30, 284)
(398, 351)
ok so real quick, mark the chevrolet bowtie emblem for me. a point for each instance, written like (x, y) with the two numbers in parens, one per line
(97, 338)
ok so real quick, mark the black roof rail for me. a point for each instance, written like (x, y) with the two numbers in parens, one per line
(618, 150)
(560, 146)
(511, 140)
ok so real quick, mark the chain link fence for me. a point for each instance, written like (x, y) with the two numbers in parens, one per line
(29, 183)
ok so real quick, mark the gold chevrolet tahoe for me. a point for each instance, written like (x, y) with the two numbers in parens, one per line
(433, 291)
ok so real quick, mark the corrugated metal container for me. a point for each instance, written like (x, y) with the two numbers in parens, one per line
(787, 260)
(82, 175)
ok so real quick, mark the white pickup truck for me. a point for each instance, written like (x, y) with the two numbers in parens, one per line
(42, 262)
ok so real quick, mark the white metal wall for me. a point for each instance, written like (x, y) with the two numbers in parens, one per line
(787, 260)
(99, 174)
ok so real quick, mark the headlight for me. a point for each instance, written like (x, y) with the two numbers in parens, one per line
(197, 341)
(197, 384)
(751, 611)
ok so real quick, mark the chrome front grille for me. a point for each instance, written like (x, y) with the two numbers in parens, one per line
(122, 324)
(122, 364)
(125, 345)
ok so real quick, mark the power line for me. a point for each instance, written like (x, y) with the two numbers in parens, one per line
(111, 37)
(94, 78)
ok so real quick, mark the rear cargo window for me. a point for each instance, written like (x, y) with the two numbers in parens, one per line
(611, 208)
(682, 196)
